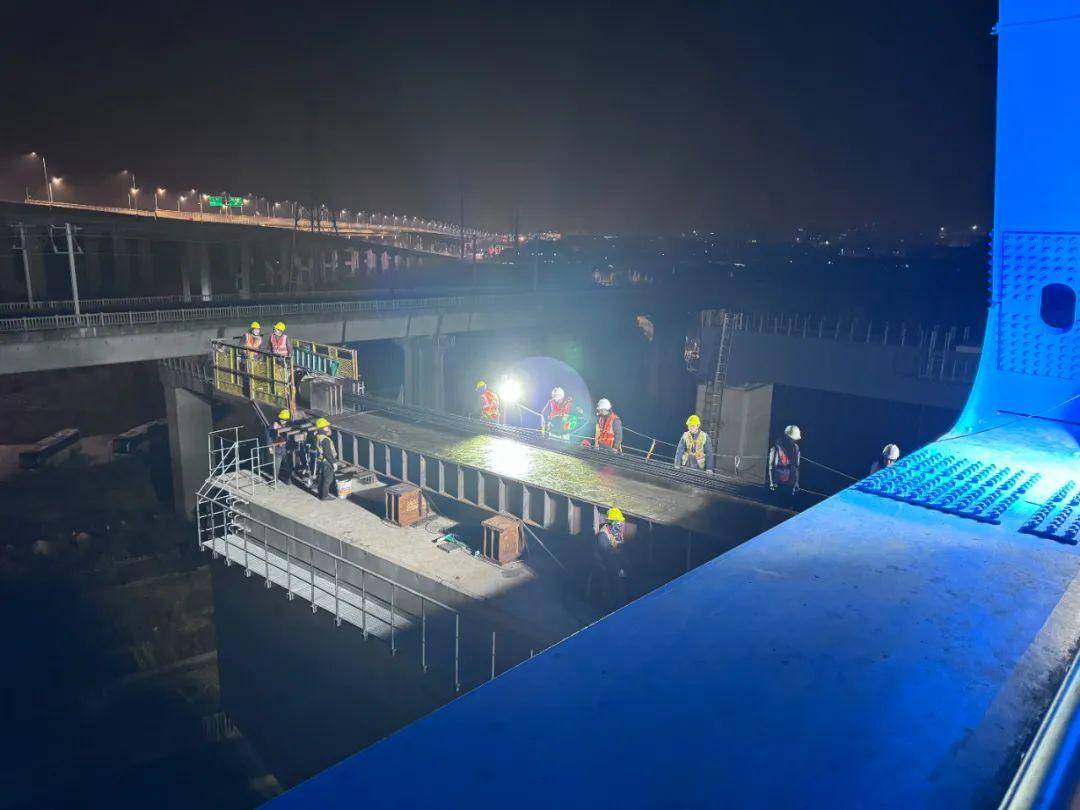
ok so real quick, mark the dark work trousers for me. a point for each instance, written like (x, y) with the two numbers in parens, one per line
(326, 478)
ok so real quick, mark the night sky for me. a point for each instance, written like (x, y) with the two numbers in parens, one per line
(739, 117)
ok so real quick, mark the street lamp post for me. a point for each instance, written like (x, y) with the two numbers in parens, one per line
(157, 191)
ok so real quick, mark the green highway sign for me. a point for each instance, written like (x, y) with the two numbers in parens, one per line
(236, 202)
(215, 201)
(219, 201)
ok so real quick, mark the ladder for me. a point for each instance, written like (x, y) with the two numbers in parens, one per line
(713, 401)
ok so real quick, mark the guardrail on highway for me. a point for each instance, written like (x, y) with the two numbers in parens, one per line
(67, 306)
(245, 313)
(367, 228)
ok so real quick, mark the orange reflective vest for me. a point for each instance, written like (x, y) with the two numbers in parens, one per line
(252, 341)
(489, 404)
(279, 345)
(605, 429)
(783, 469)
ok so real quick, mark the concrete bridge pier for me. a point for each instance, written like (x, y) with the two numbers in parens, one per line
(244, 275)
(190, 422)
(121, 264)
(202, 250)
(187, 262)
(146, 267)
(425, 372)
(91, 284)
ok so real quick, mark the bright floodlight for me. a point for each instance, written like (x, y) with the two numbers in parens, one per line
(510, 390)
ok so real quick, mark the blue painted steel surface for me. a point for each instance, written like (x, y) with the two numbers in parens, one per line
(869, 652)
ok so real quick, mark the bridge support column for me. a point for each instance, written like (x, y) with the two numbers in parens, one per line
(121, 267)
(425, 374)
(91, 287)
(205, 290)
(190, 422)
(146, 268)
(35, 266)
(245, 270)
(187, 260)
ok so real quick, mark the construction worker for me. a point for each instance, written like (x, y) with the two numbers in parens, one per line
(695, 450)
(609, 432)
(253, 336)
(784, 460)
(279, 341)
(610, 559)
(890, 453)
(281, 445)
(490, 406)
(557, 419)
(327, 455)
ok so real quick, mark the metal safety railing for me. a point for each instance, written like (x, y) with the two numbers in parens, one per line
(253, 373)
(374, 223)
(244, 463)
(324, 358)
(37, 323)
(857, 330)
(374, 603)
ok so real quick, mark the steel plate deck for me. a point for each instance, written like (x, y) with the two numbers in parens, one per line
(663, 503)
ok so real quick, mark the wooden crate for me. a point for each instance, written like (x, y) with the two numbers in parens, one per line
(503, 539)
(405, 504)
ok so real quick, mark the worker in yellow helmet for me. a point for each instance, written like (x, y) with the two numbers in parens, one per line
(253, 336)
(610, 562)
(279, 341)
(695, 450)
(282, 445)
(327, 457)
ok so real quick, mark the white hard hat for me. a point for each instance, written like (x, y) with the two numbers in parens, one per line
(793, 433)
(891, 451)
(603, 405)
(557, 394)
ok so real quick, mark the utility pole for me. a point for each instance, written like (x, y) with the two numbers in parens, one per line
(71, 267)
(26, 264)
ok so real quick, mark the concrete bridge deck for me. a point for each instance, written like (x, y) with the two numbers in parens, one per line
(41, 343)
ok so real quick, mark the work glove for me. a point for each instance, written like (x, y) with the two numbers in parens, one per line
(772, 487)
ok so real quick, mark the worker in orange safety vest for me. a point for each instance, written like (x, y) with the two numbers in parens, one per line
(490, 407)
(609, 431)
(279, 341)
(253, 336)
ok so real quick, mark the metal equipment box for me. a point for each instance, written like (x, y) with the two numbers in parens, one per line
(405, 504)
(503, 539)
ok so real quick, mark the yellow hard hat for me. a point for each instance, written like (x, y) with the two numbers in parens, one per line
(256, 325)
(279, 326)
(693, 420)
(284, 414)
(321, 423)
(480, 384)
(614, 513)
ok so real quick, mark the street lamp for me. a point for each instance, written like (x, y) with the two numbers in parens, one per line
(157, 191)
(133, 193)
(179, 199)
(201, 198)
